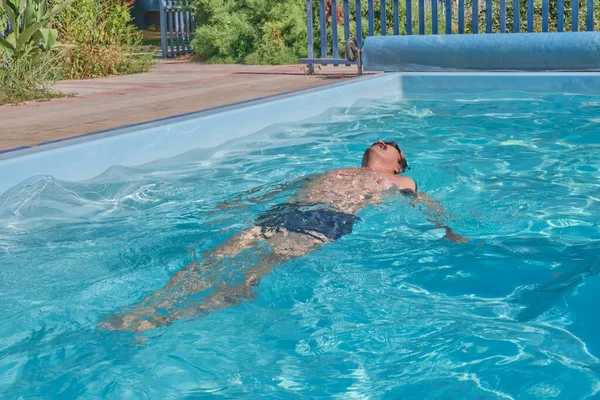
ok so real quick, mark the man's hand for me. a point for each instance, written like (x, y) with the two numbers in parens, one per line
(450, 235)
(436, 213)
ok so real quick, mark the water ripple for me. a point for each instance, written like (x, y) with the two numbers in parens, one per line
(391, 311)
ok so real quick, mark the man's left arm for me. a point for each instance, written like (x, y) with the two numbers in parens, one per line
(435, 211)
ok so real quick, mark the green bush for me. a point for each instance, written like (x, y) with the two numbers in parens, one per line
(283, 37)
(250, 31)
(102, 38)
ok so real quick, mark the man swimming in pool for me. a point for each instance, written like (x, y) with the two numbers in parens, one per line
(320, 212)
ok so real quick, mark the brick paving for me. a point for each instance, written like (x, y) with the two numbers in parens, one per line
(171, 88)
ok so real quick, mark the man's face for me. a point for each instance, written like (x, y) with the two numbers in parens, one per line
(389, 154)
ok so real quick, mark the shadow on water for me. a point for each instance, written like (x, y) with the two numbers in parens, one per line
(537, 299)
(540, 298)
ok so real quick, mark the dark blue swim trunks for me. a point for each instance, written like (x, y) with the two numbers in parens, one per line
(306, 219)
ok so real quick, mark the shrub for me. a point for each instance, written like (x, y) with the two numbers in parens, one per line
(102, 38)
(250, 31)
(282, 37)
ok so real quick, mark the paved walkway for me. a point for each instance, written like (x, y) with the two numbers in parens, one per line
(171, 88)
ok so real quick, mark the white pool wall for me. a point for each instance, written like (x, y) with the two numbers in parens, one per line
(88, 156)
(85, 157)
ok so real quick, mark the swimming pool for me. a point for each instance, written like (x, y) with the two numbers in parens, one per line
(390, 311)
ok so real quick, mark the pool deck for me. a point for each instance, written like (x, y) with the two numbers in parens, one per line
(171, 88)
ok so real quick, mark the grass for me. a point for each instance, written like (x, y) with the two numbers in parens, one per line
(10, 97)
(26, 79)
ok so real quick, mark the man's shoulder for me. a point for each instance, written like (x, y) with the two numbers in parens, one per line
(342, 170)
(405, 182)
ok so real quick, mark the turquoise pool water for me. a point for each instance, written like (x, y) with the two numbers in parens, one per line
(390, 311)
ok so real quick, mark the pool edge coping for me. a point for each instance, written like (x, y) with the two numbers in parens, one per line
(97, 135)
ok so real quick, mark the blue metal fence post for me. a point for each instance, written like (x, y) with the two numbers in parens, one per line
(475, 17)
(396, 11)
(545, 15)
(192, 26)
(502, 16)
(178, 29)
(359, 24)
(323, 28)
(170, 18)
(590, 15)
(461, 16)
(334, 33)
(575, 14)
(448, 17)
(409, 17)
(434, 17)
(192, 10)
(188, 38)
(371, 15)
(382, 17)
(560, 19)
(346, 20)
(175, 26)
(488, 16)
(163, 29)
(516, 16)
(421, 17)
(309, 26)
(530, 15)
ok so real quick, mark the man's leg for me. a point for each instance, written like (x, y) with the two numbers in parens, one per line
(191, 279)
(227, 295)
(284, 246)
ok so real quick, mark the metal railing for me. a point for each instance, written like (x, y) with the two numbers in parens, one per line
(177, 26)
(395, 17)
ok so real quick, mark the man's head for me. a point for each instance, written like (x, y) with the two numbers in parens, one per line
(385, 156)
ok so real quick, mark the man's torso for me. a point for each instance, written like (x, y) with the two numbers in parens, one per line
(349, 190)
